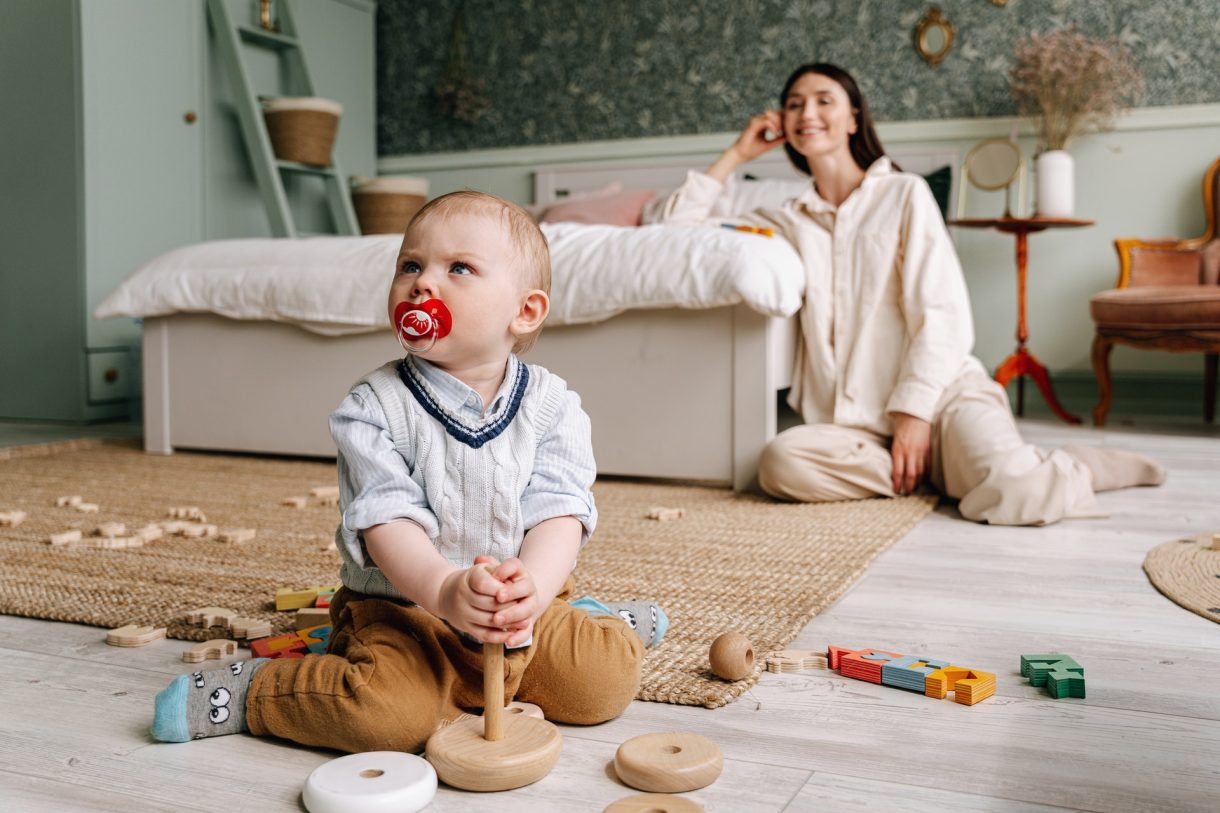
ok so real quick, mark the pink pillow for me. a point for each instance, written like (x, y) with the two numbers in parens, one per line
(618, 209)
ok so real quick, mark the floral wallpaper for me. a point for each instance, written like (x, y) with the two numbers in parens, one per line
(528, 72)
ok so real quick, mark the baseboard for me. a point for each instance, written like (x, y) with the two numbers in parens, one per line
(1164, 394)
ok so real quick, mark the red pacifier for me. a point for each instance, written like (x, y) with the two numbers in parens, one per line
(425, 321)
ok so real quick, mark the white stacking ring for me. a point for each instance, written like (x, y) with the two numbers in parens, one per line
(372, 782)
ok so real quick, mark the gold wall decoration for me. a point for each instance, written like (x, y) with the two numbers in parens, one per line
(934, 36)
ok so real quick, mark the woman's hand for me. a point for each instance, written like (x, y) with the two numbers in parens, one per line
(752, 143)
(468, 601)
(519, 604)
(753, 140)
(911, 451)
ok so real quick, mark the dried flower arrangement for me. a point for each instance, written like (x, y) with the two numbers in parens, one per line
(458, 93)
(1071, 84)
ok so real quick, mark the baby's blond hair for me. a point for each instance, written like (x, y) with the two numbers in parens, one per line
(533, 253)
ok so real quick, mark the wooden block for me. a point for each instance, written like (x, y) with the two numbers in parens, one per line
(191, 512)
(294, 502)
(278, 647)
(212, 617)
(662, 514)
(87, 507)
(865, 664)
(150, 533)
(110, 529)
(654, 803)
(214, 649)
(323, 600)
(248, 628)
(134, 635)
(328, 500)
(668, 762)
(68, 502)
(65, 537)
(236, 536)
(286, 598)
(1216, 541)
(11, 519)
(731, 656)
(173, 527)
(1064, 683)
(312, 617)
(324, 491)
(316, 637)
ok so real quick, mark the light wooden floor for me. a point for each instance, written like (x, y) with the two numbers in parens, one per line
(75, 712)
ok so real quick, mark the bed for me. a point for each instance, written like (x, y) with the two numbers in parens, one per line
(681, 371)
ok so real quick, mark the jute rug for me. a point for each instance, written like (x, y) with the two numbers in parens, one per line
(1187, 571)
(734, 562)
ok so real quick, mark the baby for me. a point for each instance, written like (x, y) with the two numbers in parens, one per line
(465, 477)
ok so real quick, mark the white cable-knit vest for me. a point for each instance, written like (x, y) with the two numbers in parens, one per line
(475, 493)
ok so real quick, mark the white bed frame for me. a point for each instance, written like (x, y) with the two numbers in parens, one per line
(672, 393)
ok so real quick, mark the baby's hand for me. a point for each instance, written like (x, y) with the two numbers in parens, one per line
(468, 601)
(517, 599)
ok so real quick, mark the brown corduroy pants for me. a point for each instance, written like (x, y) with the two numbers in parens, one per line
(394, 673)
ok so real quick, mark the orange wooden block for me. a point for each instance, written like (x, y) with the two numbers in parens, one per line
(278, 647)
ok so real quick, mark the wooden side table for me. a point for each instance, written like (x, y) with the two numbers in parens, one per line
(1023, 363)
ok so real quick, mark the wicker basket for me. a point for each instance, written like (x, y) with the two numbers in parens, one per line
(302, 129)
(386, 205)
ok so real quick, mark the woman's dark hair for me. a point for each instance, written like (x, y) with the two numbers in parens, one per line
(864, 144)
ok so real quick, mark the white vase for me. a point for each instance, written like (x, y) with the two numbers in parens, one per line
(1056, 177)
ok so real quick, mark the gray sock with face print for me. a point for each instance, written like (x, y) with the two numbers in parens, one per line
(204, 704)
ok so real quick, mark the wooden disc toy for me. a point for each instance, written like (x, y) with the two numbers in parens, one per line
(654, 803)
(669, 762)
(731, 656)
(372, 782)
(497, 751)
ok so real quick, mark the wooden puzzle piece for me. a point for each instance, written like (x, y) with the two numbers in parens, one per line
(87, 507)
(248, 628)
(324, 491)
(909, 672)
(214, 649)
(68, 502)
(662, 514)
(1036, 667)
(198, 530)
(191, 512)
(150, 533)
(865, 664)
(1064, 683)
(969, 686)
(307, 617)
(212, 617)
(294, 502)
(11, 519)
(110, 529)
(237, 536)
(279, 647)
(323, 600)
(134, 635)
(65, 538)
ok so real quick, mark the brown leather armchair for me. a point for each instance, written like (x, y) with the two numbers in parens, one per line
(1167, 298)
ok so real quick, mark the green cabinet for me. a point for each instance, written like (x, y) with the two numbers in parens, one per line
(119, 142)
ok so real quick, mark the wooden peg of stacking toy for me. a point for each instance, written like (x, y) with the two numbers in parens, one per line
(497, 751)
(668, 762)
(654, 803)
(731, 656)
(371, 782)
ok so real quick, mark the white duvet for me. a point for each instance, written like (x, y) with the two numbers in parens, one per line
(338, 285)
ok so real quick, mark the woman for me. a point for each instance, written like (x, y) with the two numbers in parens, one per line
(884, 377)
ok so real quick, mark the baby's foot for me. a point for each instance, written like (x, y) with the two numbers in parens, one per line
(204, 704)
(1114, 468)
(647, 619)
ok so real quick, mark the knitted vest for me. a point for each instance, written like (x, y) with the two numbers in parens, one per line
(473, 476)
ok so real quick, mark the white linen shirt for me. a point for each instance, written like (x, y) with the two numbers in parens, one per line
(886, 323)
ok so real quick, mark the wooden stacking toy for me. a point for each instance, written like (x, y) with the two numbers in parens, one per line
(372, 782)
(497, 751)
(731, 656)
(668, 762)
(654, 803)
(928, 676)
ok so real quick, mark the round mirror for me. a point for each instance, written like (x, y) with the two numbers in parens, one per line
(934, 36)
(993, 164)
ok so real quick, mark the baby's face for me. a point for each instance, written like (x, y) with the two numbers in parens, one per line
(466, 259)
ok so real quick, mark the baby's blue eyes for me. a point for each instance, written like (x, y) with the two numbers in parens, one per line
(456, 268)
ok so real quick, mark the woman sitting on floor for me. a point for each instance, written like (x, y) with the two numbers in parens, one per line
(884, 377)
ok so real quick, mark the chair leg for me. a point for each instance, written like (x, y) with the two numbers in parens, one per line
(1209, 386)
(1101, 369)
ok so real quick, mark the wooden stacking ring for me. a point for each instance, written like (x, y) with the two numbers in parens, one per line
(654, 803)
(669, 762)
(372, 782)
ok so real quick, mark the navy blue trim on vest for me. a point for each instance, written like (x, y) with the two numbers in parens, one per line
(459, 431)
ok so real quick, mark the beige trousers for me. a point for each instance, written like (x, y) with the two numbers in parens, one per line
(394, 673)
(978, 457)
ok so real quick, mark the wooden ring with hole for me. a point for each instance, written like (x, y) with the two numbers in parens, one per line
(668, 762)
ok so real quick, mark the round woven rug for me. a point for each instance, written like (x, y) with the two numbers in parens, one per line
(1187, 571)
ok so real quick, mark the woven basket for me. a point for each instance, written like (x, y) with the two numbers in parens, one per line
(386, 205)
(302, 129)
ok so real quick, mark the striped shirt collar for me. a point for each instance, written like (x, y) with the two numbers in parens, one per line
(457, 406)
